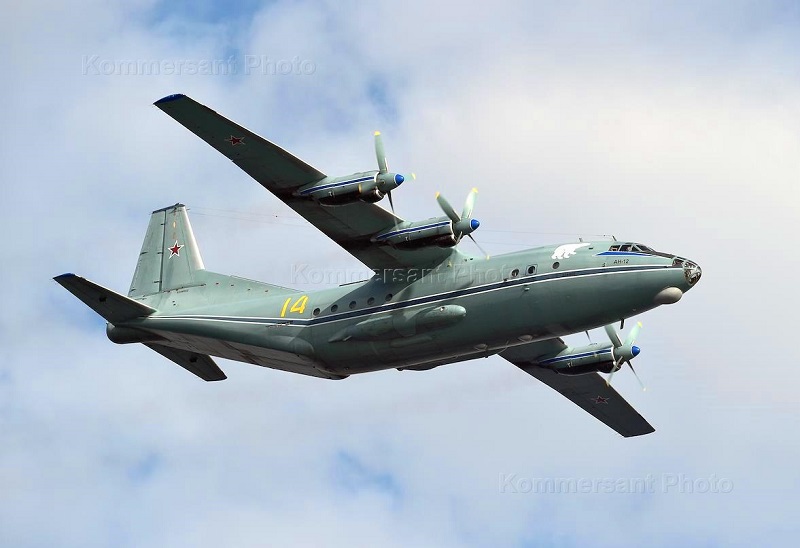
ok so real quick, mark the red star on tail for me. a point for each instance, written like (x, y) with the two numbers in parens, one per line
(175, 250)
(235, 140)
(600, 399)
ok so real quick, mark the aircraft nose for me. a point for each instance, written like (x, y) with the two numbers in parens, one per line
(692, 271)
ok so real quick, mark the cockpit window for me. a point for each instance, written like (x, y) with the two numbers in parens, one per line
(631, 247)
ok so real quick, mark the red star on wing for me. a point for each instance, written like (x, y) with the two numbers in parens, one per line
(175, 250)
(235, 140)
(600, 399)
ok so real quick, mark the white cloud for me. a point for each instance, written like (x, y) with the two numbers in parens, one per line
(673, 125)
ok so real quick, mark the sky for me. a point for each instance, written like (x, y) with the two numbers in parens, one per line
(673, 124)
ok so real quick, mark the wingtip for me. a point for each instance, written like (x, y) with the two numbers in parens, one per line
(168, 98)
(65, 276)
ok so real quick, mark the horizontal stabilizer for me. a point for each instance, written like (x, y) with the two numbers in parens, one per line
(199, 364)
(115, 308)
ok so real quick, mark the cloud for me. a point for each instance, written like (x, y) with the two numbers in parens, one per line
(669, 124)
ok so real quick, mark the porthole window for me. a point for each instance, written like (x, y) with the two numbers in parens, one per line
(556, 265)
(515, 273)
(316, 311)
(388, 297)
(352, 305)
(531, 269)
(371, 300)
(334, 308)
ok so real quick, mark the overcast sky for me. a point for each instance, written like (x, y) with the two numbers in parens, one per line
(674, 124)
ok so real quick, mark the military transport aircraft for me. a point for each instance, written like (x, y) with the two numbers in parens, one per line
(428, 303)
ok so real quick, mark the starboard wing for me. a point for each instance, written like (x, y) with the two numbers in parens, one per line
(351, 226)
(589, 391)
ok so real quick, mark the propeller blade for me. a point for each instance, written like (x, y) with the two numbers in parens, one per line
(391, 203)
(380, 153)
(447, 208)
(469, 204)
(479, 246)
(644, 388)
(633, 334)
(617, 365)
(612, 334)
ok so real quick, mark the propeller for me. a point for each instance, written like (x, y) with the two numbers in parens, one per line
(624, 352)
(380, 153)
(385, 179)
(464, 224)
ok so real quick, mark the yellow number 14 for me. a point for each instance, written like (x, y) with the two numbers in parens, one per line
(298, 306)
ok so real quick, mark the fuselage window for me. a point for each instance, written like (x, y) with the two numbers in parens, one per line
(626, 247)
(334, 308)
(532, 269)
(556, 265)
(316, 311)
(515, 273)
(371, 300)
(388, 297)
(352, 305)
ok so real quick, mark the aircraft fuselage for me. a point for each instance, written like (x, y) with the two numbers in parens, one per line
(464, 308)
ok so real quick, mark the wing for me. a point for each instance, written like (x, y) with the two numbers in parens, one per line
(590, 391)
(351, 225)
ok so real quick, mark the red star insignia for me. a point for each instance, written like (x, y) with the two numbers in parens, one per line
(175, 250)
(600, 399)
(235, 140)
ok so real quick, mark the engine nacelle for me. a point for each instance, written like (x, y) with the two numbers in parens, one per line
(367, 186)
(437, 231)
(581, 360)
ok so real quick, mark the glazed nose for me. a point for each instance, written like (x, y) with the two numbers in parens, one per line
(692, 271)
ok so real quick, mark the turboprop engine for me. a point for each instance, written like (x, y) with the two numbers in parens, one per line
(440, 231)
(604, 358)
(365, 186)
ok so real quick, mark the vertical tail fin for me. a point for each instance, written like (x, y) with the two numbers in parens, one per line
(170, 258)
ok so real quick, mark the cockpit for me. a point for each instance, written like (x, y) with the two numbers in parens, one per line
(691, 270)
(633, 248)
